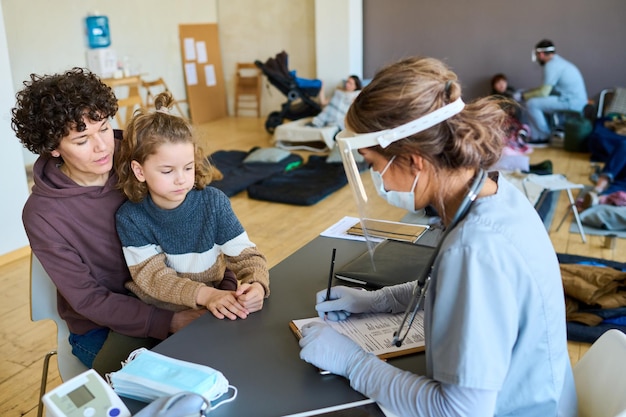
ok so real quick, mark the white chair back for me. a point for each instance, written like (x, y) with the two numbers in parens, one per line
(43, 305)
(600, 377)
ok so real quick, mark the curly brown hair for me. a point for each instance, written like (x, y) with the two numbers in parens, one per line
(145, 132)
(50, 105)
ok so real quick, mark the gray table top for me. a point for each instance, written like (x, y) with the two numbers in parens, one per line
(260, 355)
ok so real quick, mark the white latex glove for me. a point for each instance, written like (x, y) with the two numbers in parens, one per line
(329, 350)
(347, 300)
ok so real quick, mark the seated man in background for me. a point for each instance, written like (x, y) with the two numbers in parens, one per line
(563, 88)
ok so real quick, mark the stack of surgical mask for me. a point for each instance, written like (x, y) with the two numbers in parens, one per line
(146, 376)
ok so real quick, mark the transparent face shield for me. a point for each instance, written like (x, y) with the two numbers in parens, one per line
(369, 203)
(374, 212)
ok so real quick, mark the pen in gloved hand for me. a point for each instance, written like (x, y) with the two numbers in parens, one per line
(330, 277)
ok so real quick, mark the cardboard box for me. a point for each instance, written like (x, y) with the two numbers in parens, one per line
(102, 61)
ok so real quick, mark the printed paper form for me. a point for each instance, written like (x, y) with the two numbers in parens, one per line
(374, 332)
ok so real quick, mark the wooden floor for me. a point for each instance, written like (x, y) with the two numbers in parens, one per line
(277, 229)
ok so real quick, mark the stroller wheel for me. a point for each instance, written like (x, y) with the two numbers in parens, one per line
(274, 119)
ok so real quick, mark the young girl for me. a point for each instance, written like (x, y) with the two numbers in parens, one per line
(181, 238)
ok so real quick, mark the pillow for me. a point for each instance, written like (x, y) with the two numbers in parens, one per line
(604, 216)
(335, 156)
(267, 155)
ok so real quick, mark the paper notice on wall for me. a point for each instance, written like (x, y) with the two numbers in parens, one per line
(190, 74)
(201, 52)
(189, 44)
(209, 73)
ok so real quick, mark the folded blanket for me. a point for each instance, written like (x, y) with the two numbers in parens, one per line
(238, 175)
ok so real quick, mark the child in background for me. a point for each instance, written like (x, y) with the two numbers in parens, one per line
(181, 238)
(516, 132)
(500, 86)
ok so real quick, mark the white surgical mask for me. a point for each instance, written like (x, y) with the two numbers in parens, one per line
(148, 375)
(401, 199)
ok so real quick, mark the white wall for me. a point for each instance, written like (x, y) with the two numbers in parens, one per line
(44, 36)
(339, 41)
(49, 36)
(259, 29)
(146, 31)
(12, 175)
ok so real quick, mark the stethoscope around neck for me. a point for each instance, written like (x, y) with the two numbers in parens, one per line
(421, 286)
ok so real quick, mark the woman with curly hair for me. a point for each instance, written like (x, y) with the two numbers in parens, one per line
(178, 235)
(70, 217)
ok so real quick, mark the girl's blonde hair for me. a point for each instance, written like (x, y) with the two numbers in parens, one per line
(145, 132)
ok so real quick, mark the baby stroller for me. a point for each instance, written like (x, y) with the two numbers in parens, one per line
(300, 92)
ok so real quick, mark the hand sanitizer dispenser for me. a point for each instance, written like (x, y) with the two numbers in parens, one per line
(98, 34)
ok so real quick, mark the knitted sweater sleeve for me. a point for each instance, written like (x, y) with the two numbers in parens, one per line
(250, 266)
(241, 254)
(158, 284)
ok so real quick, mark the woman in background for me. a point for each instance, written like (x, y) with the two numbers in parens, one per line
(334, 111)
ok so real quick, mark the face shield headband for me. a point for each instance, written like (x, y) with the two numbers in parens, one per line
(533, 54)
(349, 142)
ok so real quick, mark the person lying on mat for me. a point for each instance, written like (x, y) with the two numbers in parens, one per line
(334, 111)
(70, 218)
(494, 308)
(180, 236)
(611, 178)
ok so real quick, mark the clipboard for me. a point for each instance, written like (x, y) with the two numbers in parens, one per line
(405, 232)
(374, 332)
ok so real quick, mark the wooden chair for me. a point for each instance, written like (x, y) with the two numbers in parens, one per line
(248, 88)
(128, 104)
(154, 88)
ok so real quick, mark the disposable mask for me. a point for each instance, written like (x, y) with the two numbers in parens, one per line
(147, 375)
(401, 199)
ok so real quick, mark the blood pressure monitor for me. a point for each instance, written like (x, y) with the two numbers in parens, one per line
(85, 395)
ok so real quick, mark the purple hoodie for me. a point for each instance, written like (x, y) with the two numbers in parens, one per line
(72, 232)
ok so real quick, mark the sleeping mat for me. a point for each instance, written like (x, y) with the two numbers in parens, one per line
(239, 175)
(304, 185)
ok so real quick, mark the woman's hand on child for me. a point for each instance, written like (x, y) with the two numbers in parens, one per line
(183, 318)
(251, 296)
